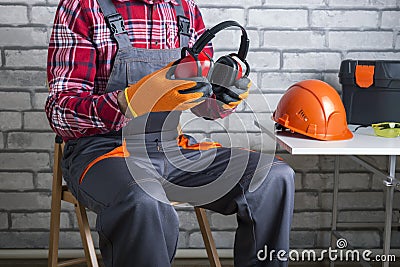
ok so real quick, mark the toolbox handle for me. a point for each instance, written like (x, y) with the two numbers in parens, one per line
(364, 73)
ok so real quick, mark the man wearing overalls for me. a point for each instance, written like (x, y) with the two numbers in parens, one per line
(102, 53)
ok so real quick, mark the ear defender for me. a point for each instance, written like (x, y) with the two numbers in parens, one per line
(225, 71)
(193, 66)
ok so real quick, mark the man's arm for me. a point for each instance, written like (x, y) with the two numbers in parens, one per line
(71, 107)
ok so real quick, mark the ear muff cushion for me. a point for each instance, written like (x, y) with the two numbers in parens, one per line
(224, 72)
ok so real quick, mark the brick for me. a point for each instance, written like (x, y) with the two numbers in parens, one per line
(36, 121)
(254, 38)
(26, 58)
(16, 181)
(18, 239)
(24, 161)
(395, 240)
(39, 100)
(244, 122)
(91, 219)
(361, 216)
(305, 200)
(43, 15)
(195, 240)
(323, 181)
(390, 19)
(360, 40)
(374, 55)
(10, 121)
(327, 163)
(363, 3)
(278, 18)
(15, 15)
(187, 220)
(344, 19)
(281, 81)
(213, 16)
(30, 36)
(396, 199)
(230, 39)
(354, 200)
(192, 123)
(298, 181)
(222, 240)
(301, 163)
(15, 101)
(317, 219)
(3, 220)
(254, 141)
(183, 240)
(71, 240)
(24, 140)
(37, 220)
(44, 180)
(262, 103)
(24, 201)
(295, 3)
(359, 239)
(333, 80)
(22, 78)
(294, 39)
(362, 239)
(264, 60)
(302, 239)
(377, 182)
(223, 222)
(312, 61)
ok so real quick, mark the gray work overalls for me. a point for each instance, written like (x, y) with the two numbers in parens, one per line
(135, 228)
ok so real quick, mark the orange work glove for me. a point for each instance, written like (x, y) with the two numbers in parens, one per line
(232, 96)
(159, 91)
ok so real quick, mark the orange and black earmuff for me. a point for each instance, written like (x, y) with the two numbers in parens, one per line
(226, 70)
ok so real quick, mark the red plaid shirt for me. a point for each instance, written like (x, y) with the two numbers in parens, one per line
(80, 53)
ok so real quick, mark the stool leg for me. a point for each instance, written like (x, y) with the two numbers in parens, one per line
(55, 208)
(207, 237)
(86, 235)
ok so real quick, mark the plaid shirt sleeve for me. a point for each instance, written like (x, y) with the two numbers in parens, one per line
(72, 108)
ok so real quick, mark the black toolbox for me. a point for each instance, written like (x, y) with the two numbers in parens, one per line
(370, 91)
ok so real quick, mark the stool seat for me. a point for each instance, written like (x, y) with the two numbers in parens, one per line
(61, 193)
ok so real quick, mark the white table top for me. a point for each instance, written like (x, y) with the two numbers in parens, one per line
(364, 142)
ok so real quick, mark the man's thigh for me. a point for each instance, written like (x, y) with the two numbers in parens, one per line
(200, 177)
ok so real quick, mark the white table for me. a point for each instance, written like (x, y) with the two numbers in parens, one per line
(364, 142)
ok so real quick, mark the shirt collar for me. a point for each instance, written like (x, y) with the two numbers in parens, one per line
(153, 1)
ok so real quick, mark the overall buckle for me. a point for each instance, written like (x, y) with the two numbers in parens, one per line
(116, 23)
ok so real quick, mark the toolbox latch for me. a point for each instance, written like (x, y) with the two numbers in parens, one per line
(365, 75)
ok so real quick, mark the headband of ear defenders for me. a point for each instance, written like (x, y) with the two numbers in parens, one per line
(209, 34)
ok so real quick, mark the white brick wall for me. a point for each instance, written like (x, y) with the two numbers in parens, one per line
(290, 41)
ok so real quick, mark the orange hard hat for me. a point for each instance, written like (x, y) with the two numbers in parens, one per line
(313, 108)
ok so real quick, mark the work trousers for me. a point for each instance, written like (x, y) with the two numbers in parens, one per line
(137, 227)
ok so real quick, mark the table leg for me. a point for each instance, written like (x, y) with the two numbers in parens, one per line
(389, 209)
(335, 205)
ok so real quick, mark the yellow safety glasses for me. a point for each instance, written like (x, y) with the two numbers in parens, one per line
(387, 129)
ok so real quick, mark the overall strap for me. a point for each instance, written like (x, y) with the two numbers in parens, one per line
(115, 23)
(183, 25)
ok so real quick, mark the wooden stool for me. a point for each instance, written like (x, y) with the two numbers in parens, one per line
(60, 192)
